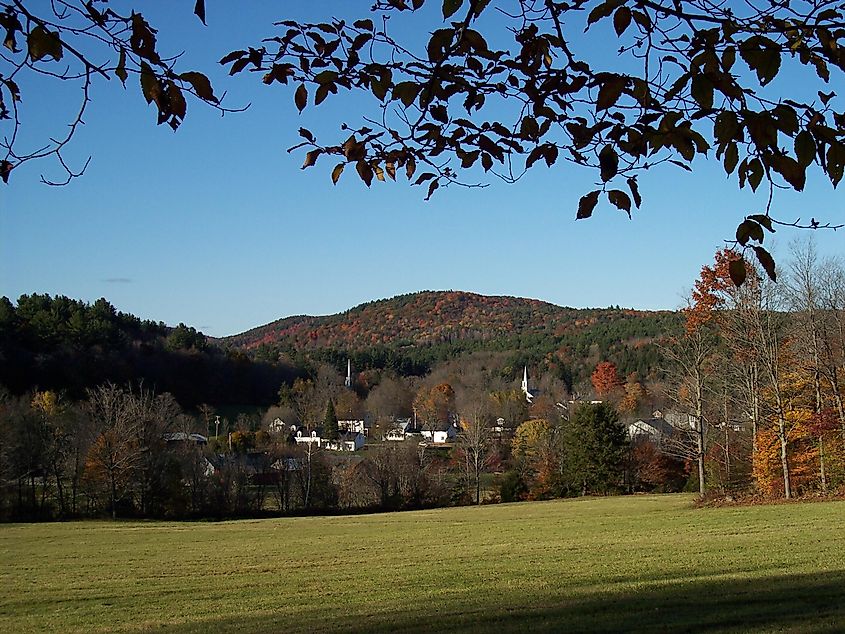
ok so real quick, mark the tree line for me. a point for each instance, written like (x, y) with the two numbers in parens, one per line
(67, 345)
(758, 370)
(127, 452)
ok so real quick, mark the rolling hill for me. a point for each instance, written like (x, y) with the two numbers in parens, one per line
(413, 331)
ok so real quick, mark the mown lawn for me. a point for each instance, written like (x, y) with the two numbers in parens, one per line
(646, 564)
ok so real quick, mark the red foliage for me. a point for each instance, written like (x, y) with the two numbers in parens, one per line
(605, 379)
(710, 287)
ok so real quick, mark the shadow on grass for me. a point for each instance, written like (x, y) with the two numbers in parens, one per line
(807, 603)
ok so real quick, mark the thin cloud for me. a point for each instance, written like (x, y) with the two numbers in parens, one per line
(118, 280)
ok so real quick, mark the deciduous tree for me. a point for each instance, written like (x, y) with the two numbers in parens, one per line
(499, 87)
(605, 379)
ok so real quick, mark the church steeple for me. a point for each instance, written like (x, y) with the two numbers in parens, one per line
(348, 381)
(528, 395)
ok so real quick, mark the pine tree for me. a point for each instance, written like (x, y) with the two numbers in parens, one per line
(330, 427)
(594, 448)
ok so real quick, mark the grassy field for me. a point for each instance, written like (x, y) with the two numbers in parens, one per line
(645, 564)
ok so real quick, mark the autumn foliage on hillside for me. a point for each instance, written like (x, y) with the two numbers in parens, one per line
(426, 317)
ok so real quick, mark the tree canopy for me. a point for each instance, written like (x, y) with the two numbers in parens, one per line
(498, 87)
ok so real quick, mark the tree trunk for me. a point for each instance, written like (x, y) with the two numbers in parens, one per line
(477, 481)
(787, 487)
(700, 466)
(699, 422)
(60, 489)
(821, 465)
(113, 495)
(307, 496)
(755, 407)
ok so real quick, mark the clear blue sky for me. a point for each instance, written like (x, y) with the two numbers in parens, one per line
(217, 226)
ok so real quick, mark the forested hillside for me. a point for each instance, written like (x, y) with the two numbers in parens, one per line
(412, 333)
(58, 343)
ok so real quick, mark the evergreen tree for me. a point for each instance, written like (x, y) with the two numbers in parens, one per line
(330, 428)
(594, 448)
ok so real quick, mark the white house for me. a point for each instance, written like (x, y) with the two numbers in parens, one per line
(303, 436)
(442, 434)
(277, 426)
(348, 441)
(395, 435)
(652, 428)
(356, 426)
(181, 436)
(680, 420)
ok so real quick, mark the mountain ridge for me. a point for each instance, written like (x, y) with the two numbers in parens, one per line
(428, 317)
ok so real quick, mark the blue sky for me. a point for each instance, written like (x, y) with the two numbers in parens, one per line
(217, 226)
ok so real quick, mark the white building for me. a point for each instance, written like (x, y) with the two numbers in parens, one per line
(347, 441)
(529, 393)
(441, 435)
(356, 426)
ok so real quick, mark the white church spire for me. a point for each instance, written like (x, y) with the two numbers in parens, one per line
(528, 395)
(348, 382)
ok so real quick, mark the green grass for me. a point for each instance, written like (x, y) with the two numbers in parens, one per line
(647, 564)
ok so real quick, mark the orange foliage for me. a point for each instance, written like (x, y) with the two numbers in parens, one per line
(802, 455)
(710, 287)
(436, 404)
(634, 396)
(605, 379)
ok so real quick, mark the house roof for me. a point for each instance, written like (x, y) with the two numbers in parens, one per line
(181, 436)
(441, 427)
(659, 425)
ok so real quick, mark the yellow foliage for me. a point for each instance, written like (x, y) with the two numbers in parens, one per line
(531, 438)
(46, 403)
(802, 455)
(634, 395)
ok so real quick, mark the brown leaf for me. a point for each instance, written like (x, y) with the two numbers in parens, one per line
(450, 7)
(749, 230)
(635, 192)
(620, 199)
(610, 91)
(120, 71)
(365, 172)
(621, 19)
(587, 204)
(42, 42)
(199, 10)
(602, 11)
(150, 86)
(5, 170)
(201, 85)
(609, 163)
(311, 158)
(178, 105)
(336, 172)
(736, 269)
(300, 98)
(767, 262)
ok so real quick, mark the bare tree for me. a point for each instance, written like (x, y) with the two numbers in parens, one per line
(115, 451)
(691, 356)
(475, 443)
(803, 296)
(769, 330)
(832, 302)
